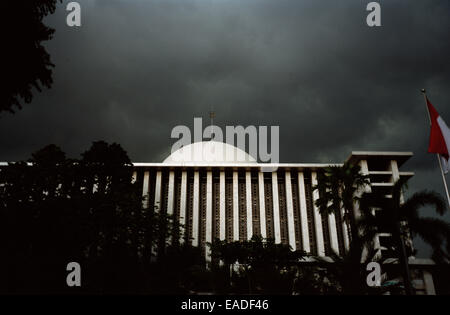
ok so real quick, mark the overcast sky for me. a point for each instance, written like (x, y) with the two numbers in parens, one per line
(135, 69)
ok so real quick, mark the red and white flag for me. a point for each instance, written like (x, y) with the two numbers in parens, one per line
(439, 137)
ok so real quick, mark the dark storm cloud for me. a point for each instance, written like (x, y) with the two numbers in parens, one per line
(135, 69)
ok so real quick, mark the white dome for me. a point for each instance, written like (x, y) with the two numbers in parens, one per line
(209, 152)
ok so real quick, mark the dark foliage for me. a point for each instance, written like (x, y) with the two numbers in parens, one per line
(341, 188)
(55, 210)
(259, 266)
(27, 63)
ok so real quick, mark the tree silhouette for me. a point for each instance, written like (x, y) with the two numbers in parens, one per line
(402, 220)
(55, 210)
(339, 188)
(265, 267)
(348, 270)
(27, 63)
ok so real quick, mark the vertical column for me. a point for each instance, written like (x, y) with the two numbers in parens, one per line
(248, 192)
(158, 191)
(171, 193)
(357, 212)
(428, 282)
(303, 212)
(395, 171)
(235, 207)
(365, 171)
(222, 231)
(332, 230)
(276, 208)
(209, 217)
(345, 231)
(290, 211)
(183, 202)
(145, 189)
(196, 205)
(364, 167)
(396, 176)
(317, 218)
(262, 206)
(170, 197)
(157, 203)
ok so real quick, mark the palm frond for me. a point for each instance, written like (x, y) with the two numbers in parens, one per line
(410, 208)
(399, 186)
(433, 231)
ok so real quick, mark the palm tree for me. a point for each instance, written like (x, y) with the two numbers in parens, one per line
(348, 270)
(402, 221)
(264, 263)
(339, 190)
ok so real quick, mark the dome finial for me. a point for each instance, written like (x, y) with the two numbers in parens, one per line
(212, 114)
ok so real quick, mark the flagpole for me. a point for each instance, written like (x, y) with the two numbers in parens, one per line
(443, 179)
(437, 154)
